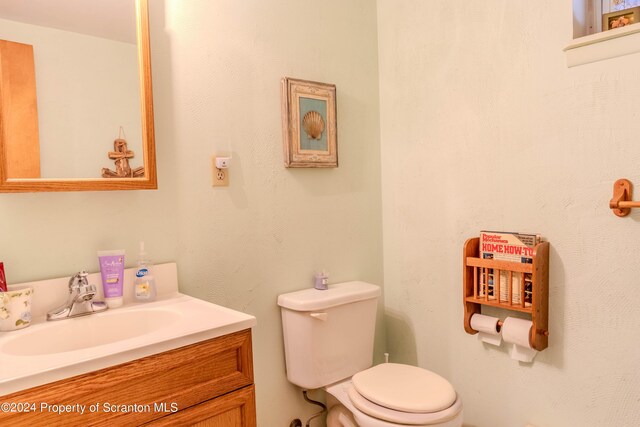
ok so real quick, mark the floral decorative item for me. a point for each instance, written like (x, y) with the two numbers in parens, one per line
(309, 124)
(620, 18)
(15, 309)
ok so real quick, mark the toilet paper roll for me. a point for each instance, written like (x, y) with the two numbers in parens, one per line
(487, 327)
(516, 332)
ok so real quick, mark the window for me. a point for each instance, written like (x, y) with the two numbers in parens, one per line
(594, 16)
(603, 29)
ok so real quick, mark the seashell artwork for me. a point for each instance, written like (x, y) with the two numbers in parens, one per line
(313, 125)
(309, 124)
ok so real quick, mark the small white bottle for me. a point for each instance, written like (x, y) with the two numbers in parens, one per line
(144, 286)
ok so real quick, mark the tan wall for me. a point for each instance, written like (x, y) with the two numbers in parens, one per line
(483, 126)
(272, 227)
(217, 68)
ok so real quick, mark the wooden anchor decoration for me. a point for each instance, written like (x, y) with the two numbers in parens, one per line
(121, 155)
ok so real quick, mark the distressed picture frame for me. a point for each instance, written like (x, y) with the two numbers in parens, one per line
(309, 125)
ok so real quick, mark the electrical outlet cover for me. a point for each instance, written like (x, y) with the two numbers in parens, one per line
(219, 177)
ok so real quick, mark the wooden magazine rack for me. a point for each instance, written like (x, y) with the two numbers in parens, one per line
(476, 291)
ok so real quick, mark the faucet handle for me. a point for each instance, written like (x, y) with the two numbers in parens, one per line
(78, 281)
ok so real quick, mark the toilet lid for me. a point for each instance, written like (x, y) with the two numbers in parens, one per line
(404, 418)
(404, 388)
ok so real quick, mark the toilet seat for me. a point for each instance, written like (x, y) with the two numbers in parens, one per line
(404, 394)
(398, 417)
(405, 388)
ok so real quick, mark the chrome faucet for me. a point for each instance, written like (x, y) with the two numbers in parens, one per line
(80, 301)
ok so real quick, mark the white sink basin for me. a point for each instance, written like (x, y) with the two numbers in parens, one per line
(88, 331)
(50, 351)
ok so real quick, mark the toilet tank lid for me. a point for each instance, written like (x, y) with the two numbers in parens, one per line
(341, 293)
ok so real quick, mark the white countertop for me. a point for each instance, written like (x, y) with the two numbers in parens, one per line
(174, 320)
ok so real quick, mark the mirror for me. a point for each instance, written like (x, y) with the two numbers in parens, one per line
(74, 85)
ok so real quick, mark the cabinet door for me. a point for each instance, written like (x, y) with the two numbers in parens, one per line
(236, 409)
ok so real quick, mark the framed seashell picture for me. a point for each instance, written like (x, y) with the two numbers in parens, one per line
(309, 124)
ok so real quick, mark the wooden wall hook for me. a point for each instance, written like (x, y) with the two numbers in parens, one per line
(621, 203)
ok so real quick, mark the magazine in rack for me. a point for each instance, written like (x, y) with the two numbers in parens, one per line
(506, 246)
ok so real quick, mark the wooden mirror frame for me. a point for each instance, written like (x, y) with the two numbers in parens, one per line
(149, 182)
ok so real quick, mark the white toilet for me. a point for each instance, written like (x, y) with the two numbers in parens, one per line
(328, 341)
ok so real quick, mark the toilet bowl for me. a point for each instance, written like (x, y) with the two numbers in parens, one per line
(391, 395)
(340, 416)
(328, 339)
(360, 419)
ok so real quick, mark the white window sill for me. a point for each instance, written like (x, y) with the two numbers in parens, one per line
(604, 45)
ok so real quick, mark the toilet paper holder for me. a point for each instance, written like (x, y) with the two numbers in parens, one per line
(476, 292)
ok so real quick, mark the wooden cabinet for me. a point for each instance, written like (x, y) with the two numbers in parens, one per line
(209, 383)
(236, 409)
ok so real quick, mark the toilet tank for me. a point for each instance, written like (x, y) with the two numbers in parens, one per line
(328, 335)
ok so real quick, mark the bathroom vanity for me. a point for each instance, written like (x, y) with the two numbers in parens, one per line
(210, 381)
(176, 361)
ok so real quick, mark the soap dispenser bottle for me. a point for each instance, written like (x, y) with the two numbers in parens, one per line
(144, 286)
